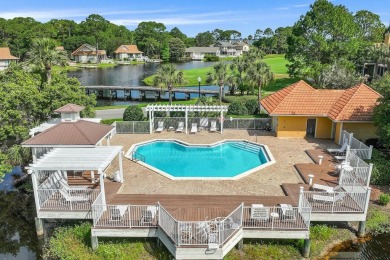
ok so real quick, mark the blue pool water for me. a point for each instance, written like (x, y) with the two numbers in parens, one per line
(226, 159)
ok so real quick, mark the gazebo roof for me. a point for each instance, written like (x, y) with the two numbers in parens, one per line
(77, 159)
(189, 108)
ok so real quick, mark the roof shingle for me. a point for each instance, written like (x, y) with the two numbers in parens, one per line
(69, 108)
(5, 54)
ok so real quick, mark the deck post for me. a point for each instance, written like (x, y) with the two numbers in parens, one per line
(221, 120)
(35, 188)
(101, 177)
(362, 229)
(300, 198)
(370, 152)
(39, 226)
(120, 166)
(240, 244)
(186, 119)
(94, 242)
(306, 248)
(150, 122)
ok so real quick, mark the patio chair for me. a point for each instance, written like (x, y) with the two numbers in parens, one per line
(160, 126)
(180, 127)
(213, 127)
(338, 151)
(201, 232)
(70, 197)
(288, 213)
(194, 128)
(203, 123)
(325, 188)
(65, 185)
(117, 213)
(259, 212)
(148, 216)
(329, 199)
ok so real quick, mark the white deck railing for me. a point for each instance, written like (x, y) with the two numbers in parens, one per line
(126, 216)
(361, 173)
(345, 201)
(168, 224)
(362, 150)
(278, 219)
(72, 199)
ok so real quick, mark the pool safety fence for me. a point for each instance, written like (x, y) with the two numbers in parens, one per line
(362, 150)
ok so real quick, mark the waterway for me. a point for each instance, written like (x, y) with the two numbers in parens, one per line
(133, 75)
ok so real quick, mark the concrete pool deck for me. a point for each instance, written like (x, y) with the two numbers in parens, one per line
(265, 182)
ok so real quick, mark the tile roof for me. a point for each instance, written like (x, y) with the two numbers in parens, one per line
(81, 132)
(6, 55)
(127, 49)
(353, 104)
(69, 108)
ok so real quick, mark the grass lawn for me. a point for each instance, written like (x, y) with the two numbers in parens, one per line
(278, 63)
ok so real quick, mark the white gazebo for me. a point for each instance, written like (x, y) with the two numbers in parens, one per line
(58, 161)
(184, 108)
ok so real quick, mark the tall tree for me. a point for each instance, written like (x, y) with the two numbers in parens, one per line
(177, 48)
(259, 75)
(241, 65)
(204, 39)
(370, 25)
(151, 32)
(176, 33)
(95, 25)
(218, 76)
(44, 56)
(167, 76)
(382, 111)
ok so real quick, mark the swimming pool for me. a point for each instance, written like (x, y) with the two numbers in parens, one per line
(228, 159)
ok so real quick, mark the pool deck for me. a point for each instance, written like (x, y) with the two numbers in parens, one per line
(265, 182)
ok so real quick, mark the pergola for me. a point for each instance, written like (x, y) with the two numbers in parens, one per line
(184, 108)
(77, 159)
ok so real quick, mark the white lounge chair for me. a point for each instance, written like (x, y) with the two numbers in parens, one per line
(203, 123)
(117, 213)
(329, 199)
(160, 126)
(65, 185)
(180, 127)
(194, 128)
(288, 213)
(338, 151)
(325, 187)
(148, 216)
(69, 196)
(213, 127)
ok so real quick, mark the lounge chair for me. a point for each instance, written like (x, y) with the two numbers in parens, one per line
(180, 127)
(325, 187)
(194, 128)
(65, 185)
(203, 123)
(160, 126)
(213, 127)
(288, 213)
(117, 213)
(148, 216)
(68, 196)
(329, 199)
(338, 151)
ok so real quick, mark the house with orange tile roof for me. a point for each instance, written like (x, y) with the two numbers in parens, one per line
(300, 110)
(129, 52)
(87, 53)
(6, 58)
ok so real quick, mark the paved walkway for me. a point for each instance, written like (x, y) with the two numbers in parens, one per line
(265, 182)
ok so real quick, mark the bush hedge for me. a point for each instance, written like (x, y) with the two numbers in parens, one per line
(237, 108)
(381, 170)
(252, 106)
(133, 113)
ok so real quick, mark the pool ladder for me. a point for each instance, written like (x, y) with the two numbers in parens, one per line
(137, 157)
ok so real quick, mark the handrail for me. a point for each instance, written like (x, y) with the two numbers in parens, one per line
(134, 155)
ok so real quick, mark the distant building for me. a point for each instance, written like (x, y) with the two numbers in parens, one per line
(198, 53)
(128, 52)
(87, 53)
(6, 58)
(372, 69)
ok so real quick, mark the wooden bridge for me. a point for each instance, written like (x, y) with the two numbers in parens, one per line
(145, 92)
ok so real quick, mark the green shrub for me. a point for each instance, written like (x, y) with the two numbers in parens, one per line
(133, 113)
(321, 232)
(209, 57)
(384, 199)
(377, 221)
(177, 114)
(252, 106)
(160, 114)
(381, 170)
(110, 121)
(237, 108)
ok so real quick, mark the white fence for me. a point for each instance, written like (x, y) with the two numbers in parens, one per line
(126, 216)
(143, 127)
(362, 150)
(343, 201)
(71, 199)
(360, 174)
(277, 218)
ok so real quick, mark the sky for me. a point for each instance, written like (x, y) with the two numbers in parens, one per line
(191, 17)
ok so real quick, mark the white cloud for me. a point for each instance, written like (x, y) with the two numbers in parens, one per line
(301, 5)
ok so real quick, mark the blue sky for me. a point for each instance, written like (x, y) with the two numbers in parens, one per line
(191, 17)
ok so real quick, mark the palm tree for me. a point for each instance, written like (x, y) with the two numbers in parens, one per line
(241, 64)
(167, 75)
(260, 74)
(218, 77)
(44, 56)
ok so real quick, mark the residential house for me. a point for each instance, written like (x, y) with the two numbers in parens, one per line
(301, 111)
(373, 69)
(87, 53)
(128, 52)
(198, 53)
(241, 47)
(226, 48)
(6, 58)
